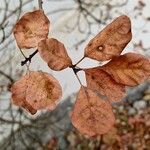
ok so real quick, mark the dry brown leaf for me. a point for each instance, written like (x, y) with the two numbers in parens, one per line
(31, 28)
(102, 82)
(129, 69)
(111, 40)
(44, 91)
(36, 90)
(18, 90)
(54, 53)
(91, 114)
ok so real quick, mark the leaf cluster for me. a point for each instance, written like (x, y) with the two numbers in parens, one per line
(92, 113)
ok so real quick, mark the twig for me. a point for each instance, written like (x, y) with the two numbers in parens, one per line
(76, 70)
(7, 76)
(79, 61)
(78, 79)
(29, 58)
(40, 4)
(3, 37)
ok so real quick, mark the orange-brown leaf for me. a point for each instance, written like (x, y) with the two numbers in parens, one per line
(31, 28)
(18, 90)
(54, 53)
(44, 91)
(129, 69)
(36, 90)
(111, 40)
(102, 82)
(92, 115)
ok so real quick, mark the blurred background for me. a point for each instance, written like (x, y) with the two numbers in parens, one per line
(73, 22)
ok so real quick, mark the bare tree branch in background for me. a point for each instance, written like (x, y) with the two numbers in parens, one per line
(95, 14)
(18, 130)
(88, 14)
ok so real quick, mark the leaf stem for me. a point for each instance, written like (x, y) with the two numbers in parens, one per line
(29, 58)
(76, 70)
(78, 79)
(25, 58)
(79, 61)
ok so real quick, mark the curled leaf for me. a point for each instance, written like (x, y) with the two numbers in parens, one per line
(54, 53)
(102, 82)
(31, 28)
(111, 40)
(18, 90)
(36, 90)
(92, 115)
(129, 69)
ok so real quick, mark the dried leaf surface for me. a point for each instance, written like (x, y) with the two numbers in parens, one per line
(18, 90)
(36, 90)
(44, 91)
(129, 69)
(54, 53)
(31, 28)
(102, 82)
(111, 40)
(92, 115)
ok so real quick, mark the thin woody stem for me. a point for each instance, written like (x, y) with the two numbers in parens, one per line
(78, 78)
(7, 76)
(40, 4)
(79, 61)
(25, 58)
(29, 58)
(76, 70)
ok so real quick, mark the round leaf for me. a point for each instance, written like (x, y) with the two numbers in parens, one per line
(129, 69)
(31, 28)
(102, 82)
(92, 115)
(18, 90)
(36, 90)
(111, 40)
(54, 53)
(44, 91)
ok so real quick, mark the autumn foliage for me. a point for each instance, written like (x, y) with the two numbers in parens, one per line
(92, 113)
(31, 29)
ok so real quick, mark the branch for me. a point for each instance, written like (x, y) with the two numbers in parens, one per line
(7, 76)
(29, 58)
(40, 4)
(75, 69)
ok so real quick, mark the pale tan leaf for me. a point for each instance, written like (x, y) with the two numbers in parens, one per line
(111, 40)
(54, 53)
(44, 91)
(92, 115)
(18, 90)
(31, 28)
(129, 69)
(102, 82)
(36, 90)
